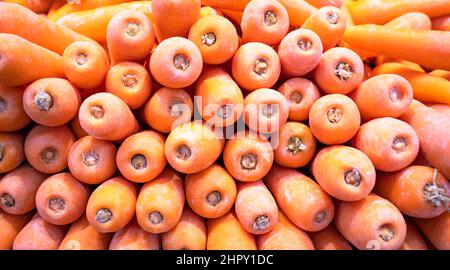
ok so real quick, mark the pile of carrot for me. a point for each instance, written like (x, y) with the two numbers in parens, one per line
(204, 124)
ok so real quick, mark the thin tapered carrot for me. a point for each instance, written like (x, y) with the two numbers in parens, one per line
(236, 5)
(20, 58)
(94, 22)
(403, 44)
(382, 11)
(82, 5)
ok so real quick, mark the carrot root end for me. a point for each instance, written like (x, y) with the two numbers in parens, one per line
(103, 215)
(56, 205)
(213, 198)
(43, 101)
(139, 162)
(295, 145)
(249, 161)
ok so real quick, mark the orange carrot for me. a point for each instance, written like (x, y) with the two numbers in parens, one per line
(441, 73)
(414, 239)
(437, 230)
(237, 5)
(133, 237)
(76, 128)
(441, 23)
(208, 11)
(330, 239)
(10, 226)
(322, 3)
(11, 151)
(298, 10)
(235, 16)
(68, 8)
(12, 114)
(411, 20)
(37, 6)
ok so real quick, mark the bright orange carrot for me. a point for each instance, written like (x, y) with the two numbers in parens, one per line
(441, 23)
(10, 226)
(235, 16)
(11, 151)
(414, 239)
(237, 5)
(208, 11)
(437, 230)
(330, 239)
(12, 114)
(188, 234)
(133, 237)
(322, 3)
(68, 8)
(76, 128)
(37, 6)
(55, 6)
(298, 10)
(411, 20)
(441, 73)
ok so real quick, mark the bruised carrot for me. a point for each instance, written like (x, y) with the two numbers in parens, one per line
(107, 215)
(216, 37)
(82, 236)
(176, 62)
(210, 193)
(12, 114)
(51, 101)
(411, 20)
(94, 22)
(19, 59)
(330, 239)
(256, 208)
(296, 145)
(140, 157)
(343, 172)
(188, 234)
(298, 11)
(226, 233)
(39, 235)
(131, 82)
(68, 8)
(167, 108)
(441, 23)
(220, 100)
(284, 236)
(100, 114)
(85, 64)
(133, 237)
(192, 147)
(18, 190)
(92, 161)
(237, 5)
(437, 230)
(160, 203)
(371, 223)
(301, 95)
(300, 198)
(11, 151)
(10, 226)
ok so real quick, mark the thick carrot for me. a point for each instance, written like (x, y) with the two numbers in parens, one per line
(441, 73)
(82, 236)
(236, 5)
(167, 16)
(226, 233)
(188, 234)
(12, 114)
(208, 11)
(385, 40)
(426, 87)
(414, 239)
(68, 8)
(37, 6)
(382, 11)
(18, 190)
(330, 239)
(94, 22)
(10, 226)
(284, 236)
(11, 151)
(441, 23)
(19, 59)
(298, 11)
(437, 230)
(133, 237)
(235, 16)
(411, 20)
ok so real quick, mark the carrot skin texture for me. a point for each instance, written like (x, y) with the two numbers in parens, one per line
(10, 226)
(330, 239)
(133, 237)
(437, 230)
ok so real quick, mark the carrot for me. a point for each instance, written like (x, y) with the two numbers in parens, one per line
(256, 208)
(39, 235)
(18, 190)
(82, 236)
(37, 6)
(236, 5)
(371, 223)
(68, 8)
(417, 191)
(85, 64)
(248, 156)
(192, 147)
(92, 161)
(211, 192)
(255, 65)
(160, 203)
(343, 172)
(140, 157)
(301, 199)
(284, 236)
(339, 71)
(411, 20)
(112, 205)
(380, 12)
(168, 108)
(334, 119)
(19, 58)
(441, 73)
(11, 151)
(188, 234)
(413, 240)
(226, 233)
(176, 62)
(61, 199)
(51, 101)
(298, 11)
(94, 22)
(387, 95)
(296, 145)
(301, 95)
(330, 239)
(235, 16)
(55, 6)
(10, 226)
(329, 23)
(301, 45)
(437, 230)
(266, 110)
(76, 128)
(265, 21)
(221, 100)
(216, 37)
(441, 23)
(208, 11)
(101, 113)
(420, 82)
(386, 40)
(441, 108)
(322, 3)
(133, 237)
(37, 29)
(12, 114)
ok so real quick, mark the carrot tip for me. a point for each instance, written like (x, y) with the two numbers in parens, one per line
(343, 71)
(209, 39)
(103, 215)
(296, 97)
(139, 162)
(81, 59)
(213, 198)
(249, 161)
(91, 158)
(48, 155)
(97, 111)
(129, 80)
(155, 217)
(7, 200)
(270, 18)
(305, 44)
(353, 177)
(399, 144)
(132, 28)
(332, 17)
(262, 222)
(183, 152)
(436, 194)
(43, 101)
(56, 205)
(181, 62)
(320, 217)
(295, 145)
(176, 108)
(261, 66)
(334, 115)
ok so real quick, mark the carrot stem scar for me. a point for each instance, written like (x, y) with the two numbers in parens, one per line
(129, 80)
(436, 194)
(155, 217)
(7, 200)
(270, 18)
(183, 152)
(343, 71)
(296, 97)
(260, 66)
(334, 115)
(320, 217)
(56, 205)
(139, 162)
(132, 28)
(43, 101)
(262, 222)
(332, 17)
(91, 158)
(81, 59)
(48, 155)
(181, 62)
(295, 145)
(304, 44)
(209, 39)
(249, 161)
(176, 108)
(353, 177)
(103, 215)
(3, 104)
(386, 233)
(213, 198)
(97, 111)
(224, 111)
(399, 144)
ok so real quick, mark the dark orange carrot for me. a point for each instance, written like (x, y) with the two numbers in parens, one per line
(10, 226)
(133, 237)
